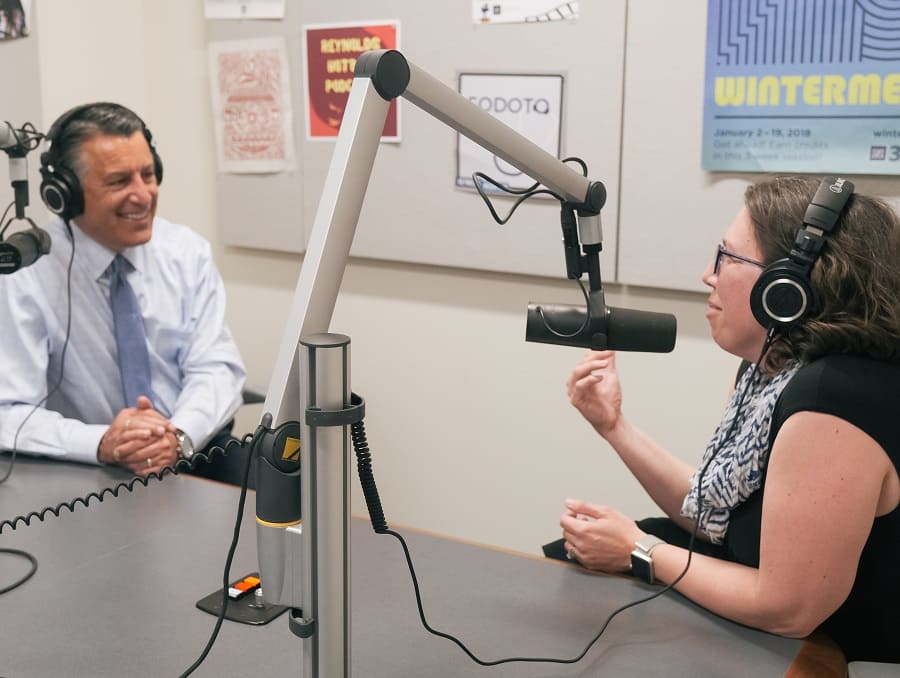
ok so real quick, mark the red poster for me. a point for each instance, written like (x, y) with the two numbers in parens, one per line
(331, 53)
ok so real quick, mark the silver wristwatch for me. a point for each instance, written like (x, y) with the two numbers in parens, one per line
(641, 559)
(185, 444)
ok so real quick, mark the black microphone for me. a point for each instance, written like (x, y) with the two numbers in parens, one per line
(617, 329)
(23, 248)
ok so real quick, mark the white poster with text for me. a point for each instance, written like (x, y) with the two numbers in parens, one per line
(531, 104)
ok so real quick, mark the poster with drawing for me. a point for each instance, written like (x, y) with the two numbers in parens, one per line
(251, 105)
(331, 52)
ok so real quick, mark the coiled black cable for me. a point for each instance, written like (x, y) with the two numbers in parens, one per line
(175, 469)
(127, 485)
(367, 477)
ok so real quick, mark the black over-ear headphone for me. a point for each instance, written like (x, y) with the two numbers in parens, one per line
(60, 188)
(783, 296)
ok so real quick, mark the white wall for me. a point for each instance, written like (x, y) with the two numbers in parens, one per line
(92, 50)
(470, 429)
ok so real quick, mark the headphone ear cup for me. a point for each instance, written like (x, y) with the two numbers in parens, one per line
(60, 190)
(782, 296)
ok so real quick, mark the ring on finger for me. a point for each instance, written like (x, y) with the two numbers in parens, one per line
(127, 423)
(149, 462)
(570, 554)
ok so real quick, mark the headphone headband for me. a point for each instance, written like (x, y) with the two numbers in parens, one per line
(60, 124)
(828, 203)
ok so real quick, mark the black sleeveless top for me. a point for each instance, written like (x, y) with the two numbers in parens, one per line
(865, 393)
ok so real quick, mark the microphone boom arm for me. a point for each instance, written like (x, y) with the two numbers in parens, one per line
(380, 76)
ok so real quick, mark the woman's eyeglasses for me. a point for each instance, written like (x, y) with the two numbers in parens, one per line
(721, 251)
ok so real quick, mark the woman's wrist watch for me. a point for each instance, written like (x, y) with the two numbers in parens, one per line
(641, 558)
(185, 447)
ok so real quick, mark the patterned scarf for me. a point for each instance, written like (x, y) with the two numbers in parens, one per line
(739, 451)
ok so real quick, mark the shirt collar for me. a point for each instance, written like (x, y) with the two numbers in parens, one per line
(96, 258)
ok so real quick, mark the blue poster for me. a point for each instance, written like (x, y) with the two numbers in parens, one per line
(802, 86)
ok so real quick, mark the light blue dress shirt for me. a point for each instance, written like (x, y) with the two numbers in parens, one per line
(196, 370)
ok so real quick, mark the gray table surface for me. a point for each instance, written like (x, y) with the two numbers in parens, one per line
(117, 582)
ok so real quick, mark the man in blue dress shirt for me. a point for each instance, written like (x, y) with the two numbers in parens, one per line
(61, 387)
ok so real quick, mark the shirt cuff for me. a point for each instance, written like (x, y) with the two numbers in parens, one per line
(84, 441)
(197, 427)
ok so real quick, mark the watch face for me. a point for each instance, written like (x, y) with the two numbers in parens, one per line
(185, 444)
(642, 566)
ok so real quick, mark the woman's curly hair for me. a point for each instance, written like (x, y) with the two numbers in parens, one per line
(856, 280)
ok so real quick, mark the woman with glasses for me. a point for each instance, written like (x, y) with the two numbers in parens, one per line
(794, 507)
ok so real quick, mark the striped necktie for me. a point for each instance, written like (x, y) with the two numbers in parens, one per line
(131, 340)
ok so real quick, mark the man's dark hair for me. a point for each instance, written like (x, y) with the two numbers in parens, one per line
(88, 121)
